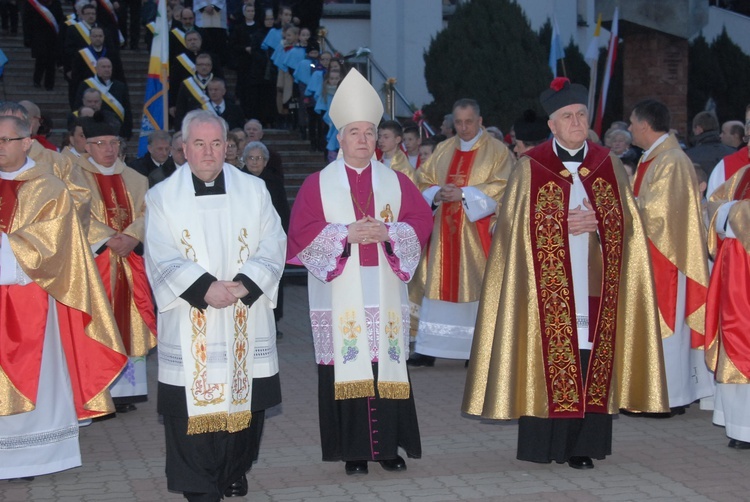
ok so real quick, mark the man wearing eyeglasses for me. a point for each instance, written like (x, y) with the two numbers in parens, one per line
(42, 252)
(115, 236)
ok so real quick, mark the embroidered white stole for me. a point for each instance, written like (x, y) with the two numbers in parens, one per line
(218, 389)
(352, 365)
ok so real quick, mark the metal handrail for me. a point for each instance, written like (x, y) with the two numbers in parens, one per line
(366, 54)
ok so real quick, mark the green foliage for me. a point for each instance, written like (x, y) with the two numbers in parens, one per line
(719, 71)
(487, 52)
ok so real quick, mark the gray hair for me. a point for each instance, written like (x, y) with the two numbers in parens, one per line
(14, 109)
(255, 145)
(21, 125)
(613, 133)
(467, 103)
(201, 116)
(159, 136)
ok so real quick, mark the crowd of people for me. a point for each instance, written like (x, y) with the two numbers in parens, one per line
(577, 280)
(282, 74)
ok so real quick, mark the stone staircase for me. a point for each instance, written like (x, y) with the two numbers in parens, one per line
(298, 161)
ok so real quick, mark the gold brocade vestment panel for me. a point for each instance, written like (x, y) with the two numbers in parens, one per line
(508, 372)
(489, 174)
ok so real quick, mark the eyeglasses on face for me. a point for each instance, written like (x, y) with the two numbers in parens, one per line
(114, 143)
(5, 141)
(252, 158)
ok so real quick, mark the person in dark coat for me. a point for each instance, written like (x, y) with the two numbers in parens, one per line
(255, 158)
(42, 35)
(223, 105)
(159, 146)
(81, 68)
(115, 95)
(707, 148)
(244, 42)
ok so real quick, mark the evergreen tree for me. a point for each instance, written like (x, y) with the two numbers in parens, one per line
(705, 78)
(734, 66)
(487, 52)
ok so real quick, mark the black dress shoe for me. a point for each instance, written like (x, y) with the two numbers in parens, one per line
(125, 407)
(420, 360)
(677, 410)
(739, 445)
(394, 464)
(238, 488)
(581, 462)
(356, 467)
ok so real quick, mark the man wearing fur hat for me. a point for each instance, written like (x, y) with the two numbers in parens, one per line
(568, 329)
(359, 228)
(115, 235)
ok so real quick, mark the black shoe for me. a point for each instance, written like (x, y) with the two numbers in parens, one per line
(238, 488)
(356, 467)
(104, 417)
(416, 360)
(394, 464)
(125, 408)
(279, 334)
(581, 462)
(26, 478)
(739, 445)
(677, 410)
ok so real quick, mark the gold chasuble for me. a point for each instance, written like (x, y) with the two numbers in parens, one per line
(667, 192)
(457, 252)
(118, 206)
(525, 358)
(62, 167)
(47, 241)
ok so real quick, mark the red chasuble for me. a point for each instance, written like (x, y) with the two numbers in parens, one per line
(729, 296)
(569, 395)
(451, 227)
(735, 162)
(114, 276)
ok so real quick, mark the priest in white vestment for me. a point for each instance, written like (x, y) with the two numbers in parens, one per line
(215, 253)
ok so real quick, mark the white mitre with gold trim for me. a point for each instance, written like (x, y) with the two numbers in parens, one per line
(355, 101)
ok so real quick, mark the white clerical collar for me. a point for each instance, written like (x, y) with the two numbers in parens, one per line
(107, 171)
(252, 23)
(74, 151)
(468, 145)
(658, 142)
(25, 167)
(572, 166)
(358, 169)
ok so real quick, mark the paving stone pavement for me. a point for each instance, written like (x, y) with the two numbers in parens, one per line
(684, 458)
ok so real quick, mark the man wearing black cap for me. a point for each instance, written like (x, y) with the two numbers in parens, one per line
(115, 235)
(567, 331)
(531, 130)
